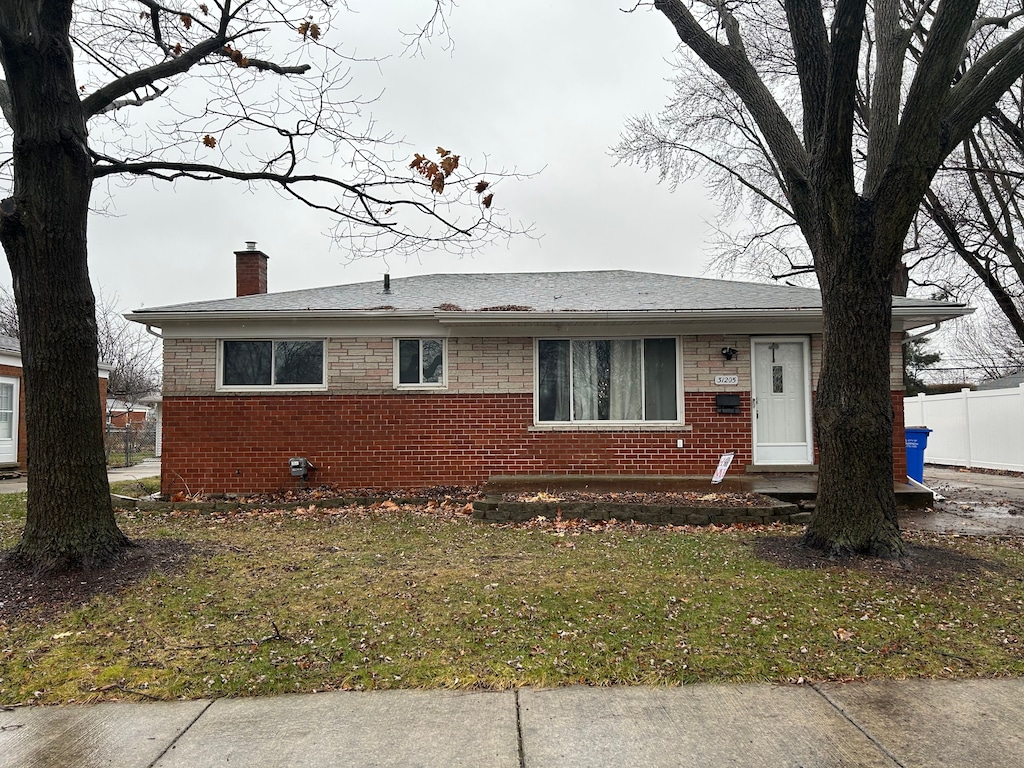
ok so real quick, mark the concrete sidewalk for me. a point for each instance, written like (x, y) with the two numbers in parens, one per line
(145, 468)
(887, 724)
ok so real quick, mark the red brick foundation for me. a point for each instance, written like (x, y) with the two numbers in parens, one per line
(242, 444)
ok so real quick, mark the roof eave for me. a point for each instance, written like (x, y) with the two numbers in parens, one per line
(498, 317)
(157, 318)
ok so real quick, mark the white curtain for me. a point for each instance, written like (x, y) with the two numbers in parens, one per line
(625, 402)
(585, 381)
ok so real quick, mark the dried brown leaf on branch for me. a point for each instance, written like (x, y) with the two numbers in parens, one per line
(236, 56)
(309, 30)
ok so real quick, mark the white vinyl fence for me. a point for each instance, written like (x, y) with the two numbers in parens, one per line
(972, 429)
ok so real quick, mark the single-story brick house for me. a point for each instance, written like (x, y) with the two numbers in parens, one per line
(12, 405)
(13, 445)
(449, 379)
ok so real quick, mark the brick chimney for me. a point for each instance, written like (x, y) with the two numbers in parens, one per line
(250, 270)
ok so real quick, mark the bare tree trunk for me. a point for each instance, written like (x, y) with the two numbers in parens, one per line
(856, 508)
(70, 520)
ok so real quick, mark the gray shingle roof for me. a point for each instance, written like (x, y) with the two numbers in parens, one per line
(10, 344)
(604, 291)
(1003, 382)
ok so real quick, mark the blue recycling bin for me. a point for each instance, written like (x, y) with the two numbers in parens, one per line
(916, 440)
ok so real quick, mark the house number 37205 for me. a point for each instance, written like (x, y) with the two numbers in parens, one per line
(727, 381)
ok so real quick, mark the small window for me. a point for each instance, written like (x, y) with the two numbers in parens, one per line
(294, 363)
(419, 362)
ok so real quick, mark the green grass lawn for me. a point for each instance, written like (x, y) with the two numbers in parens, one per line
(273, 602)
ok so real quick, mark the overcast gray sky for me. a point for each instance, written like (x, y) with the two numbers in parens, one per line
(531, 84)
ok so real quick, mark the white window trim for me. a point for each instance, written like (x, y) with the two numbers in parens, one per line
(222, 387)
(428, 386)
(608, 424)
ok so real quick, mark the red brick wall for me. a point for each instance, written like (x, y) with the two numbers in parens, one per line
(238, 444)
(243, 443)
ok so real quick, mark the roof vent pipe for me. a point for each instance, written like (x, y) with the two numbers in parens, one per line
(387, 283)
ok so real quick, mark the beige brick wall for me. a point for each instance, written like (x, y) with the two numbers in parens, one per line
(896, 362)
(360, 365)
(477, 365)
(498, 365)
(190, 366)
(366, 365)
(702, 361)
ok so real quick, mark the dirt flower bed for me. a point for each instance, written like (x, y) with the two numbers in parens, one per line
(437, 493)
(681, 499)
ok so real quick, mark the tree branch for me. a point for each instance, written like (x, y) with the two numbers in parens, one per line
(733, 67)
(170, 171)
(138, 102)
(811, 48)
(978, 91)
(100, 100)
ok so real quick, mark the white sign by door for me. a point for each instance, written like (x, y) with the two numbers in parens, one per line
(723, 466)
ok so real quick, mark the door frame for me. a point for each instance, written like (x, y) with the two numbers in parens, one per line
(808, 425)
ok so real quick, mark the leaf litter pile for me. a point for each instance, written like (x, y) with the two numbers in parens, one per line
(266, 600)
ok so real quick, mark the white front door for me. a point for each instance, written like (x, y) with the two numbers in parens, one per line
(782, 403)
(8, 420)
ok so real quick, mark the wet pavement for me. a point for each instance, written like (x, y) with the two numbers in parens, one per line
(975, 504)
(889, 724)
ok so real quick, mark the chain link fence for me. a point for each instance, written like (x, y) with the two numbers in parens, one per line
(130, 444)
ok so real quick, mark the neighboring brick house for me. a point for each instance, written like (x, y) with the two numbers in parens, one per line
(13, 450)
(120, 414)
(449, 379)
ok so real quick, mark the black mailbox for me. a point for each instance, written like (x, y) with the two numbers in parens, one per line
(727, 403)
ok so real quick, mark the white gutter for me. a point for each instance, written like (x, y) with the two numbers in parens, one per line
(519, 318)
